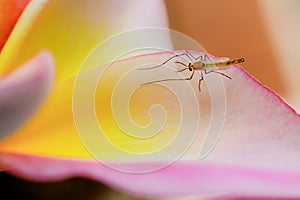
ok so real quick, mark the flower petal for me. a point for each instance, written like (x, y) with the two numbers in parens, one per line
(183, 178)
(257, 154)
(22, 92)
(260, 130)
(10, 10)
(71, 30)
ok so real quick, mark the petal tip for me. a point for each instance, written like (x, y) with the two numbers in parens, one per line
(23, 91)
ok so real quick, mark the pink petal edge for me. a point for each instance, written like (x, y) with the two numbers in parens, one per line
(183, 178)
(23, 91)
(206, 177)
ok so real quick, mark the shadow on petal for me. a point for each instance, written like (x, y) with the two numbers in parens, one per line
(23, 91)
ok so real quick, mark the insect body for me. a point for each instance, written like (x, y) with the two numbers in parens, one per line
(201, 64)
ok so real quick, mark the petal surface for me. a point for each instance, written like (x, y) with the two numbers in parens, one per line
(10, 10)
(23, 91)
(71, 30)
(183, 178)
(256, 155)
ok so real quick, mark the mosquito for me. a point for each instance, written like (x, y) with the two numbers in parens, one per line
(198, 64)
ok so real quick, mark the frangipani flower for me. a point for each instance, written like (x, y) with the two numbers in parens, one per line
(257, 153)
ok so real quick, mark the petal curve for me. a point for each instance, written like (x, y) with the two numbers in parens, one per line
(256, 155)
(189, 178)
(71, 30)
(23, 91)
(10, 10)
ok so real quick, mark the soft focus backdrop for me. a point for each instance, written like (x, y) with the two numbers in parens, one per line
(265, 32)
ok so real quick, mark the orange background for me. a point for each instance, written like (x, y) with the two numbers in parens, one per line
(232, 29)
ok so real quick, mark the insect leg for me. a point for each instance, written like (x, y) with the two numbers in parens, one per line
(207, 72)
(189, 55)
(171, 79)
(200, 80)
(157, 66)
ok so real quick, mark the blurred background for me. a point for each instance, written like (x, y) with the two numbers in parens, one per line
(265, 32)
